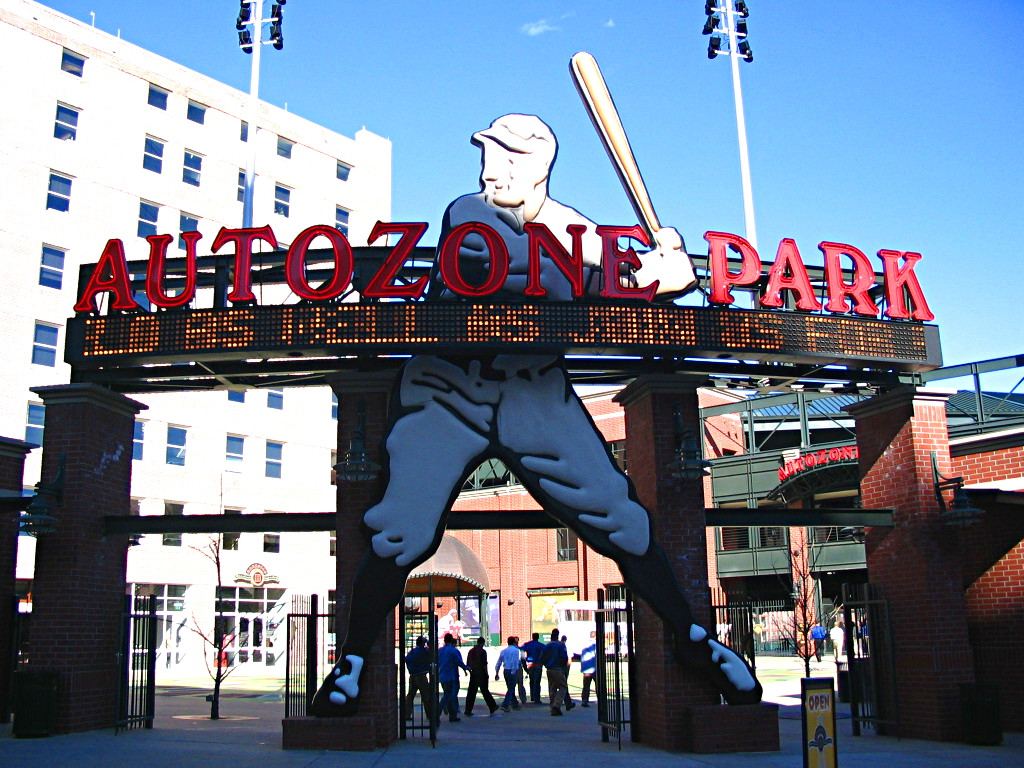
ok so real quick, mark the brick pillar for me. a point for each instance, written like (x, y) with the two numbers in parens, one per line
(12, 465)
(378, 682)
(79, 586)
(917, 562)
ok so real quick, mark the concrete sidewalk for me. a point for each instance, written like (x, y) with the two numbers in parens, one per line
(250, 734)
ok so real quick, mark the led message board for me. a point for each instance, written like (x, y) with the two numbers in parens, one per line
(464, 328)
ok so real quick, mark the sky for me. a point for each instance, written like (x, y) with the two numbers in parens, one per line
(879, 125)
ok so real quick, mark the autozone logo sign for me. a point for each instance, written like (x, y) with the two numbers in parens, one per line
(818, 459)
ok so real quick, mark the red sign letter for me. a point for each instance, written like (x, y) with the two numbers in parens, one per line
(155, 275)
(718, 262)
(863, 280)
(243, 240)
(382, 284)
(613, 258)
(118, 283)
(899, 281)
(571, 265)
(789, 274)
(295, 264)
(498, 262)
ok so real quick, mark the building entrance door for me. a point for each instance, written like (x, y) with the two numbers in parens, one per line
(250, 620)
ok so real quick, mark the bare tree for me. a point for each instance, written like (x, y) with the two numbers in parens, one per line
(804, 605)
(217, 639)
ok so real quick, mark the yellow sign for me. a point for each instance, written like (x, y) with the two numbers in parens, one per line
(818, 702)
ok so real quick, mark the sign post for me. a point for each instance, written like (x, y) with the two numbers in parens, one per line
(818, 710)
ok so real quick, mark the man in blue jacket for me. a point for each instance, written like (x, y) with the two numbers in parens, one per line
(449, 661)
(534, 648)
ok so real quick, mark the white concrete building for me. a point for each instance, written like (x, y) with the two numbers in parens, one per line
(101, 140)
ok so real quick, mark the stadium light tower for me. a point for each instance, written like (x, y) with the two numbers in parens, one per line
(727, 25)
(250, 39)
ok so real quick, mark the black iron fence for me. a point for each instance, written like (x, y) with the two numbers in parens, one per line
(614, 668)
(140, 632)
(311, 653)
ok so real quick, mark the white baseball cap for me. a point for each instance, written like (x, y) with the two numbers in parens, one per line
(527, 134)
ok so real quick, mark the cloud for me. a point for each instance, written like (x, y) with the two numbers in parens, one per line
(534, 28)
(610, 23)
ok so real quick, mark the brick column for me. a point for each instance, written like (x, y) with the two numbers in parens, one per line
(79, 586)
(917, 562)
(12, 466)
(376, 725)
(673, 701)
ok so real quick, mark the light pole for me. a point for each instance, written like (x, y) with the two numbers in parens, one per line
(250, 15)
(727, 22)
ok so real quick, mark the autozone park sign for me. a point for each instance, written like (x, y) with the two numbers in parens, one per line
(817, 459)
(786, 274)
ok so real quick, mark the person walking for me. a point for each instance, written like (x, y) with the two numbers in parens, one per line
(534, 669)
(556, 660)
(449, 661)
(569, 703)
(510, 660)
(417, 662)
(588, 667)
(521, 674)
(818, 635)
(477, 659)
(838, 636)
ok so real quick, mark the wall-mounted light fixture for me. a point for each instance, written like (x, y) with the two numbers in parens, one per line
(38, 517)
(961, 512)
(356, 465)
(688, 464)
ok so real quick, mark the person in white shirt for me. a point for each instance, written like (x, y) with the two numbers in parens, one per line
(510, 659)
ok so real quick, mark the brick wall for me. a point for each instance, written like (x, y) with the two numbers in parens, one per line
(989, 466)
(79, 586)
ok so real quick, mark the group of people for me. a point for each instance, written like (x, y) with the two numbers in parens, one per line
(514, 664)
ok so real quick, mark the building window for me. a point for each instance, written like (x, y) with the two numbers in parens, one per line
(275, 457)
(34, 423)
(173, 509)
(334, 405)
(58, 197)
(192, 168)
(334, 471)
(186, 223)
(236, 396)
(148, 213)
(618, 451)
(334, 546)
(230, 540)
(243, 132)
(282, 200)
(271, 542)
(138, 440)
(275, 399)
(196, 112)
(771, 537)
(51, 267)
(176, 438)
(234, 450)
(341, 219)
(157, 97)
(343, 170)
(65, 127)
(284, 147)
(73, 63)
(241, 185)
(565, 545)
(734, 537)
(44, 345)
(153, 155)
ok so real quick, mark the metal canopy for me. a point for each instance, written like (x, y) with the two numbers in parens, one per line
(453, 568)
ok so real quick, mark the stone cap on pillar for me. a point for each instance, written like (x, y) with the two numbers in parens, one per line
(15, 449)
(361, 382)
(89, 394)
(900, 397)
(659, 384)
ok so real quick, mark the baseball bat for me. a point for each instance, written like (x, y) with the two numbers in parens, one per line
(598, 101)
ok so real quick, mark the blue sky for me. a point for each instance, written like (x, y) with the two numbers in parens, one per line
(881, 125)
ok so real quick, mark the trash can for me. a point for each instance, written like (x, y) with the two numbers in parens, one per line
(843, 681)
(34, 702)
(979, 703)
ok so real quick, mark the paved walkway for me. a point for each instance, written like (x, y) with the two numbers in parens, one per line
(250, 734)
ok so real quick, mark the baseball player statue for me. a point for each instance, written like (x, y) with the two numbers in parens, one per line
(451, 413)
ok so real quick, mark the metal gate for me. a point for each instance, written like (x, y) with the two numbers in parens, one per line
(311, 649)
(615, 671)
(136, 691)
(870, 652)
(422, 720)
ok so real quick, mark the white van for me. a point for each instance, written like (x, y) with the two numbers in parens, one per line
(576, 621)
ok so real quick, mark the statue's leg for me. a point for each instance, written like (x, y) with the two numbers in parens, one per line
(561, 457)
